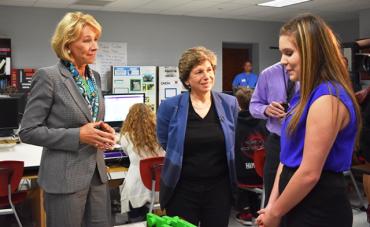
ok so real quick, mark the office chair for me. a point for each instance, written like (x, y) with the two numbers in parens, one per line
(11, 173)
(362, 203)
(259, 161)
(150, 172)
(361, 169)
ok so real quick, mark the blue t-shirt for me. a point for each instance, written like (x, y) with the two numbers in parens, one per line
(245, 80)
(340, 155)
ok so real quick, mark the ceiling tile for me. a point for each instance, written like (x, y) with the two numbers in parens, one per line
(190, 7)
(164, 4)
(53, 3)
(125, 5)
(331, 10)
(17, 2)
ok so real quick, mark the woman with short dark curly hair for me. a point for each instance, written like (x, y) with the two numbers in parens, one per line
(197, 131)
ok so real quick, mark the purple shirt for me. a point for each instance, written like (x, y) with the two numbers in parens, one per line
(271, 86)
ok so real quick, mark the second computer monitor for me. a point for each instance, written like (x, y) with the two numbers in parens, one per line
(117, 107)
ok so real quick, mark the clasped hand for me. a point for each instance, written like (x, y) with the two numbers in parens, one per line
(267, 219)
(98, 134)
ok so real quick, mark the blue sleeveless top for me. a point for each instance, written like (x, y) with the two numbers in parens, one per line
(340, 156)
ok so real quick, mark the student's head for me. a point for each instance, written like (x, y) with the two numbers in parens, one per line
(244, 95)
(140, 126)
(75, 38)
(197, 67)
(311, 54)
(248, 66)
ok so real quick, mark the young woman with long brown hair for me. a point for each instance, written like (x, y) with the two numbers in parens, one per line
(318, 134)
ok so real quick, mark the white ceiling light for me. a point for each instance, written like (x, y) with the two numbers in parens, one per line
(282, 3)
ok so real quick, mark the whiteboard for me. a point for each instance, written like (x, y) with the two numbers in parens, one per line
(109, 54)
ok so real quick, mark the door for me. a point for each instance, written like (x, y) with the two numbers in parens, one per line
(233, 60)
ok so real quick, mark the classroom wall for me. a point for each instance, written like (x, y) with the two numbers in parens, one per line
(151, 39)
(347, 31)
(365, 24)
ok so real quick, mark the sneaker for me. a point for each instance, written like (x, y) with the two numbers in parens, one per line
(245, 218)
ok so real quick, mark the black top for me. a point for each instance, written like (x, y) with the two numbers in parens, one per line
(204, 147)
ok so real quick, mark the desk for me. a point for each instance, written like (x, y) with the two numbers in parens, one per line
(31, 156)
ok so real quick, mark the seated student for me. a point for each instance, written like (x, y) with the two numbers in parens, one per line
(138, 141)
(249, 138)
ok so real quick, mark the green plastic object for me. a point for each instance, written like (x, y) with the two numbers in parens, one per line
(153, 220)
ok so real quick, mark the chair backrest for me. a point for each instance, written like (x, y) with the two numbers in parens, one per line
(10, 171)
(259, 161)
(150, 169)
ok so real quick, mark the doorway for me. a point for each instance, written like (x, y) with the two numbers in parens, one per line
(234, 56)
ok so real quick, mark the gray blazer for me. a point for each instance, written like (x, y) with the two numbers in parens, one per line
(53, 116)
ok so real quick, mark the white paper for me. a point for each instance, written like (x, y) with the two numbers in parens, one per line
(169, 83)
(109, 54)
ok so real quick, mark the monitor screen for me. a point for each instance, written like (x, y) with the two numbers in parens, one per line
(117, 107)
(8, 113)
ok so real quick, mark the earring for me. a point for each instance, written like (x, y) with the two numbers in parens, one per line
(69, 51)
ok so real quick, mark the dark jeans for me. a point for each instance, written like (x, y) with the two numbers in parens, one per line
(272, 147)
(248, 199)
(326, 205)
(202, 202)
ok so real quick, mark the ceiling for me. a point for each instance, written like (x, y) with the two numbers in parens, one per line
(331, 10)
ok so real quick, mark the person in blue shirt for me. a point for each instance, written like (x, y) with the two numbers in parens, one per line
(246, 78)
(318, 133)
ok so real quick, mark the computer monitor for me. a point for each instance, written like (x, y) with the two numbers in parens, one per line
(117, 107)
(9, 116)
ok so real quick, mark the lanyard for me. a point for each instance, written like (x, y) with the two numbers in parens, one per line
(288, 85)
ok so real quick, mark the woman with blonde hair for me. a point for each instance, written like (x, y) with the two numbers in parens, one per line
(64, 115)
(319, 132)
(138, 141)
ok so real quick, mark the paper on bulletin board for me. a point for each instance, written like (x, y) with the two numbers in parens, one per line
(136, 79)
(149, 75)
(126, 79)
(109, 54)
(169, 83)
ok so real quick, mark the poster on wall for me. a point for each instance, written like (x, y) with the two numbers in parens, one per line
(149, 78)
(136, 79)
(109, 54)
(169, 83)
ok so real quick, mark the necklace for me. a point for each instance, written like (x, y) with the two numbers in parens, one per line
(200, 105)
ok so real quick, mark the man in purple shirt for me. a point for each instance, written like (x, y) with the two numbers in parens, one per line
(270, 101)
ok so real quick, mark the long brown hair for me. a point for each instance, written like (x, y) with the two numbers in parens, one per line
(140, 126)
(321, 61)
